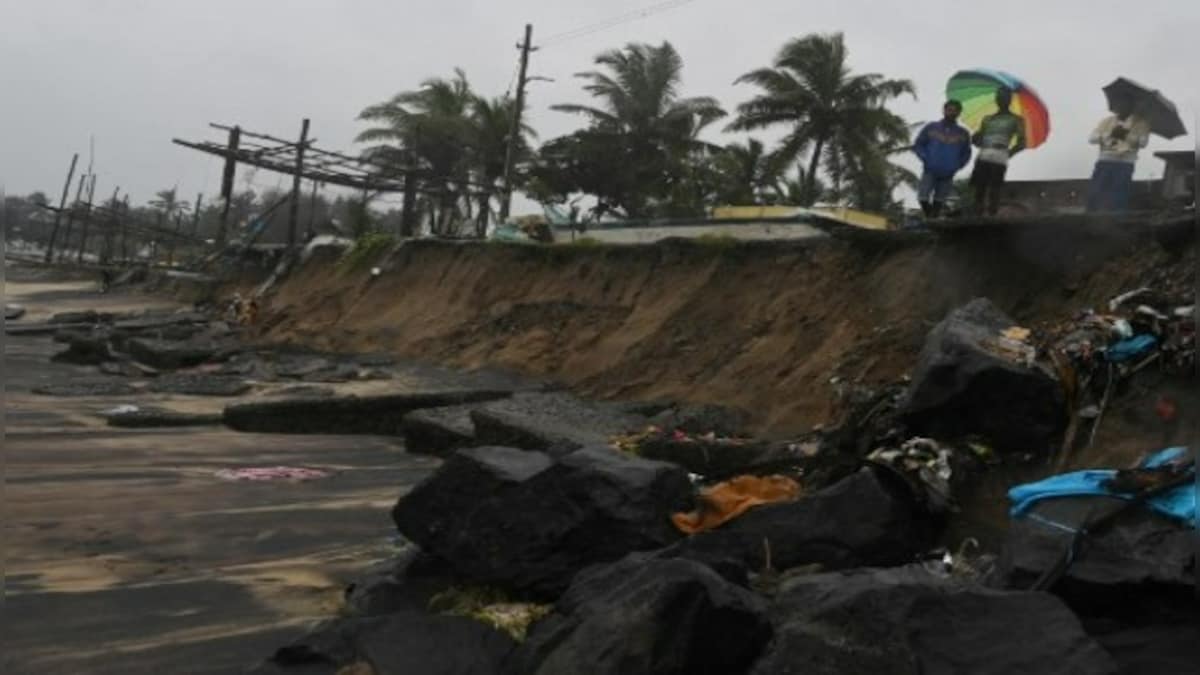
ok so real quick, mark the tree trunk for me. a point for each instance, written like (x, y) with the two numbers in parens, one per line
(408, 211)
(481, 219)
(810, 181)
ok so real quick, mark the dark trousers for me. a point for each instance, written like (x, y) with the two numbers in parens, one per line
(1112, 183)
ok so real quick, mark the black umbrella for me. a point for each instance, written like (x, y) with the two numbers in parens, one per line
(1162, 115)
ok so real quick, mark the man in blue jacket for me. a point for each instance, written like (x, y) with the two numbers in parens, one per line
(944, 148)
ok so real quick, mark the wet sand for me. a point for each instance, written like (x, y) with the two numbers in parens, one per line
(125, 554)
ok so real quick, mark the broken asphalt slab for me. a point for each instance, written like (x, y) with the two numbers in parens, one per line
(152, 418)
(380, 414)
(170, 355)
(192, 384)
(542, 421)
(86, 387)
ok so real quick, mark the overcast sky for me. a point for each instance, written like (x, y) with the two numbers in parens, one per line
(136, 73)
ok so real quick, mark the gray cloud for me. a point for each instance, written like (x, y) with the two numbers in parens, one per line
(135, 74)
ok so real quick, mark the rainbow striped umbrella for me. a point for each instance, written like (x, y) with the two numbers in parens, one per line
(976, 90)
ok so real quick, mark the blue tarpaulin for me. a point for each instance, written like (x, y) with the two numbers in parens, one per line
(1131, 348)
(1179, 503)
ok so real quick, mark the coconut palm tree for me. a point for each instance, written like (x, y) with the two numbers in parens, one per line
(748, 173)
(490, 125)
(168, 204)
(834, 115)
(640, 114)
(426, 131)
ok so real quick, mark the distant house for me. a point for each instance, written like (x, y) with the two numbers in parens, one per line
(1027, 197)
(1069, 196)
(1179, 176)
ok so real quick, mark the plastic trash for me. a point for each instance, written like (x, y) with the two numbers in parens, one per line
(125, 409)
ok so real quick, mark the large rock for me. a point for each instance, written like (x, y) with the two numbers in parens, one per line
(344, 414)
(1159, 649)
(404, 643)
(862, 520)
(970, 381)
(1140, 548)
(170, 355)
(522, 520)
(908, 622)
(644, 615)
(407, 583)
(193, 384)
(84, 347)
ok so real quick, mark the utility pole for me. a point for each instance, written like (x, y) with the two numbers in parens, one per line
(125, 231)
(87, 221)
(62, 204)
(514, 133)
(66, 241)
(235, 136)
(294, 210)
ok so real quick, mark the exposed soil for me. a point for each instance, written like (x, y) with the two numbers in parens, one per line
(784, 331)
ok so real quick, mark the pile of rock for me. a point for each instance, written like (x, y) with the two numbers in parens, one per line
(535, 510)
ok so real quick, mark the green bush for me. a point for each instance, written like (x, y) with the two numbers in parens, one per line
(367, 249)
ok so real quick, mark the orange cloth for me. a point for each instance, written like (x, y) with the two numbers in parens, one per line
(723, 502)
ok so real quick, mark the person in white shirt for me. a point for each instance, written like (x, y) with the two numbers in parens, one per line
(1120, 137)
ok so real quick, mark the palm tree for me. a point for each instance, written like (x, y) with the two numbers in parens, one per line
(426, 131)
(641, 113)
(835, 116)
(168, 203)
(490, 125)
(748, 173)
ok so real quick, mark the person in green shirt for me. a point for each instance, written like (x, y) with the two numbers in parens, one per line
(1000, 137)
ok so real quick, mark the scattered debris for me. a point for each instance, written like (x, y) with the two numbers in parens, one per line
(725, 501)
(271, 473)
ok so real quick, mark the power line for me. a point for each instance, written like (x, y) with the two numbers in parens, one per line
(613, 22)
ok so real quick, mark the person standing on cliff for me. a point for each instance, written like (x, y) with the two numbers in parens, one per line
(1000, 137)
(1120, 137)
(944, 148)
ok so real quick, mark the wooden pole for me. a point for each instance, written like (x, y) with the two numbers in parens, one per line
(235, 135)
(514, 133)
(62, 204)
(71, 217)
(312, 213)
(294, 209)
(87, 221)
